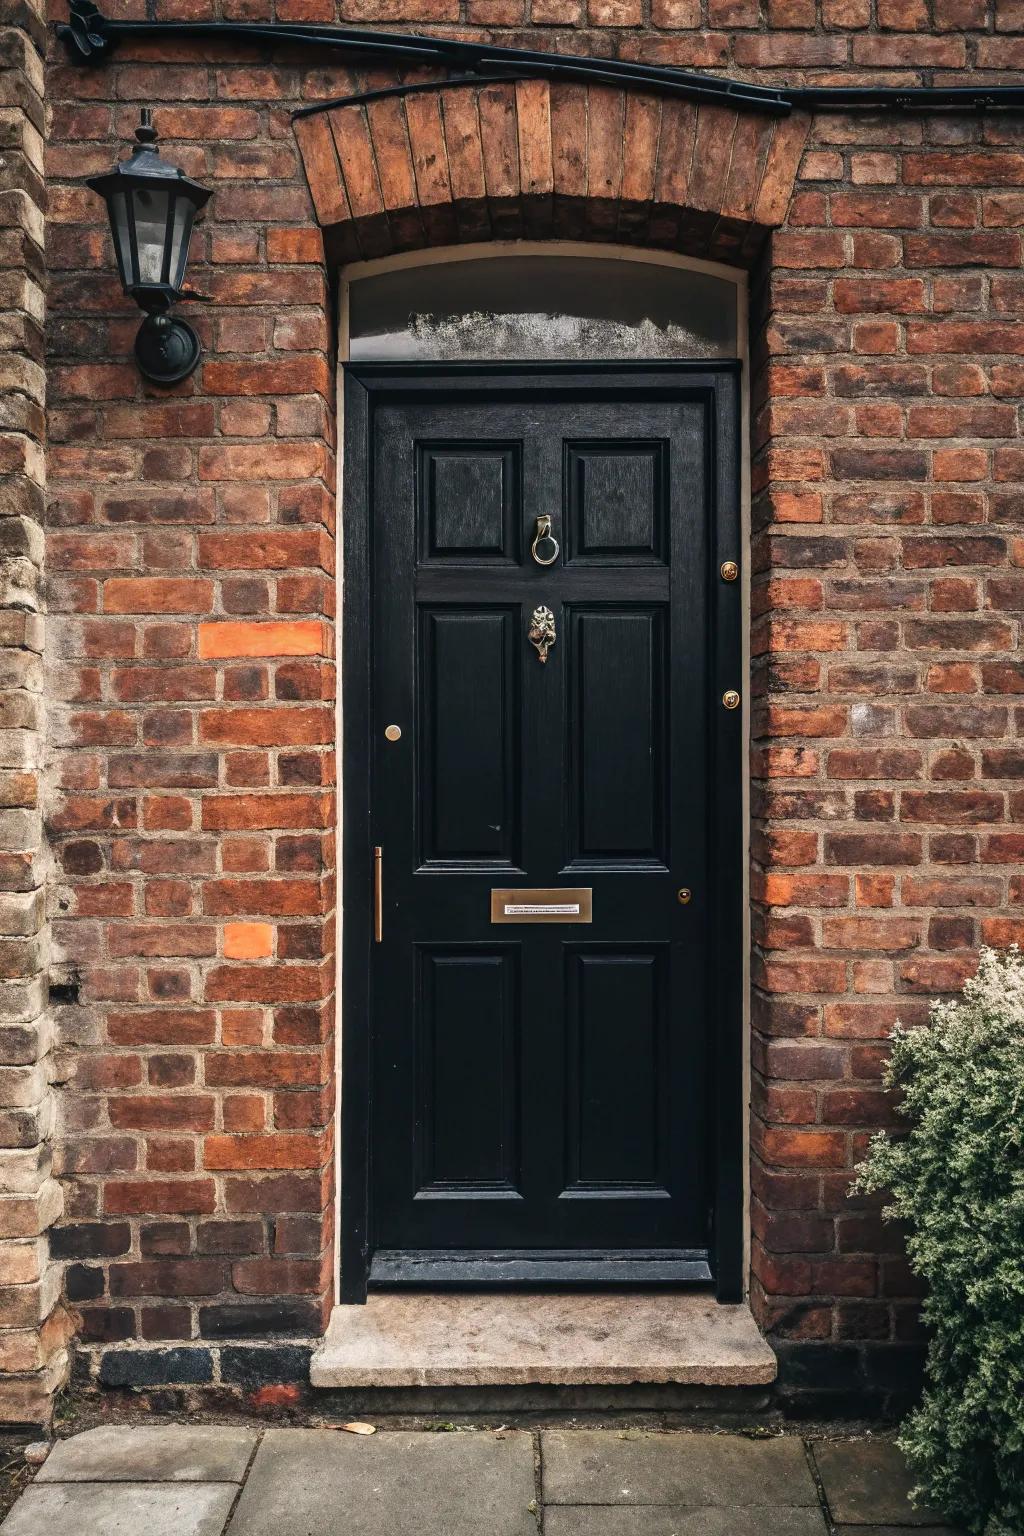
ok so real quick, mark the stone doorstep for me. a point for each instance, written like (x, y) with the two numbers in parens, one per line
(447, 1339)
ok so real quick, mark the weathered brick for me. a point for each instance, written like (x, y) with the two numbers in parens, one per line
(157, 594)
(277, 1151)
(133, 1197)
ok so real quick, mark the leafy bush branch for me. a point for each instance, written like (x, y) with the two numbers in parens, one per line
(956, 1181)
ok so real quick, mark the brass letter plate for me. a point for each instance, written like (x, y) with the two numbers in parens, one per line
(548, 905)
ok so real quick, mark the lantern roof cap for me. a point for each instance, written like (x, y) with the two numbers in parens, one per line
(145, 166)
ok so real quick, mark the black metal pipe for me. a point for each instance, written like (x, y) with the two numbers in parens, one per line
(903, 98)
(493, 70)
(90, 36)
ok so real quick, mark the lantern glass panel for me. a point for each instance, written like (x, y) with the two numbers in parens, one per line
(181, 231)
(117, 204)
(150, 207)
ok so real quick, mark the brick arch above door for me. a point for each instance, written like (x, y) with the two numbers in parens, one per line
(448, 163)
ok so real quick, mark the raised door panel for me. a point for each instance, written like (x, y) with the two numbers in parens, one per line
(616, 502)
(468, 754)
(616, 747)
(617, 1078)
(469, 500)
(467, 1068)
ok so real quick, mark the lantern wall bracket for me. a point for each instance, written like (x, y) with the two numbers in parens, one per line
(166, 349)
(90, 37)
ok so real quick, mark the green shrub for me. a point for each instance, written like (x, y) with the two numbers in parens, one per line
(956, 1181)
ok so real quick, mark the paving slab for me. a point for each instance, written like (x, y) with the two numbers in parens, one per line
(121, 1509)
(669, 1520)
(449, 1339)
(175, 1453)
(692, 1471)
(324, 1483)
(899, 1530)
(866, 1482)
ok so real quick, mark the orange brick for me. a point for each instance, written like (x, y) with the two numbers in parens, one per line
(814, 1149)
(248, 941)
(301, 637)
(284, 1150)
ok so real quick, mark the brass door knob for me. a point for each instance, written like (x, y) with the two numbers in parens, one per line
(731, 699)
(684, 895)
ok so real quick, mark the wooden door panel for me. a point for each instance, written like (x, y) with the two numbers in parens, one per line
(467, 1050)
(617, 1102)
(467, 744)
(469, 501)
(615, 502)
(616, 739)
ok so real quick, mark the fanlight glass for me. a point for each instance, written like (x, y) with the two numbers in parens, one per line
(539, 307)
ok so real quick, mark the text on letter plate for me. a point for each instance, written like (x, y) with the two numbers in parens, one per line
(524, 904)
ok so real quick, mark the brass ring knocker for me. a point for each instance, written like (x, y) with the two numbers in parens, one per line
(543, 535)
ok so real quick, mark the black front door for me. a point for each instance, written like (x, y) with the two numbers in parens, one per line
(548, 744)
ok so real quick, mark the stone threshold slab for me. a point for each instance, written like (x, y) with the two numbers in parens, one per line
(458, 1339)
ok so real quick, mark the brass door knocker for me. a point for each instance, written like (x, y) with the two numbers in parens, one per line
(542, 631)
(543, 535)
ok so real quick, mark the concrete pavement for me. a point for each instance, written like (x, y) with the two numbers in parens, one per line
(165, 1479)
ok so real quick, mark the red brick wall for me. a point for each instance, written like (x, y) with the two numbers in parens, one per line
(191, 566)
(888, 585)
(190, 557)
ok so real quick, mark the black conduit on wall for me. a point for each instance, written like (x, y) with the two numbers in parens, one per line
(90, 37)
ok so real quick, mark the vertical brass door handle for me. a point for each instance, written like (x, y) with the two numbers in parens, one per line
(378, 895)
(543, 535)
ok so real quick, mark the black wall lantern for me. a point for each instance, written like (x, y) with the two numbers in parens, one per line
(152, 206)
